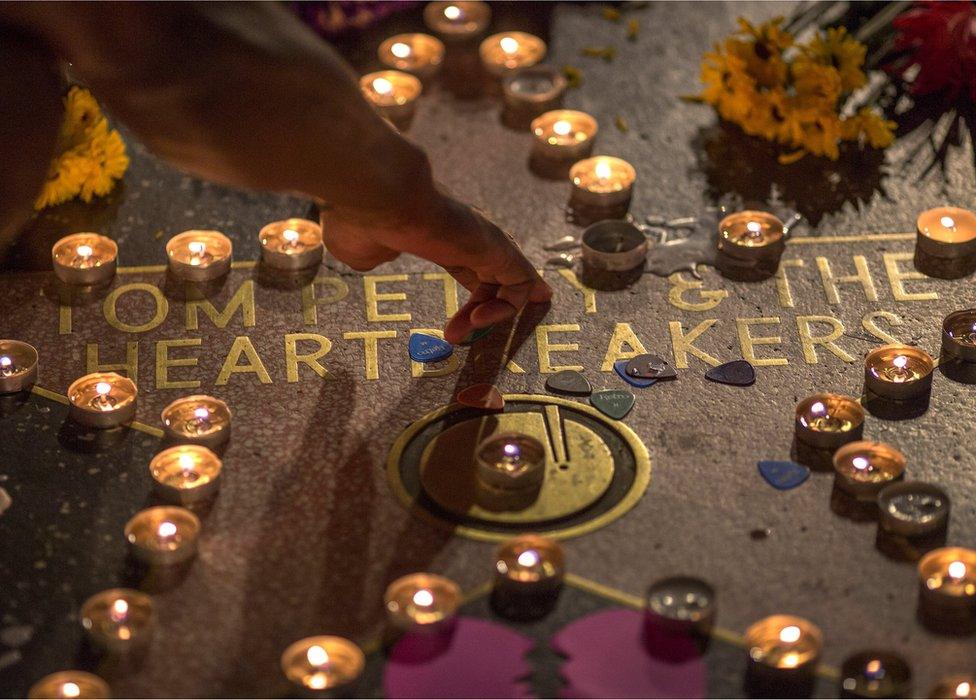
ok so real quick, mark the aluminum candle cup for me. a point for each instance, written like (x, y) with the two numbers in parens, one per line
(163, 536)
(18, 366)
(875, 674)
(85, 259)
(118, 620)
(424, 603)
(199, 256)
(198, 420)
(186, 474)
(457, 21)
(502, 54)
(102, 400)
(898, 372)
(563, 134)
(913, 509)
(614, 246)
(530, 92)
(959, 335)
(751, 235)
(947, 586)
(681, 604)
(292, 244)
(69, 685)
(946, 232)
(511, 461)
(602, 182)
(418, 54)
(827, 421)
(529, 565)
(863, 468)
(783, 652)
(323, 664)
(392, 93)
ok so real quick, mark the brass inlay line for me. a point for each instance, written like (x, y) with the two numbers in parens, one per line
(557, 437)
(61, 398)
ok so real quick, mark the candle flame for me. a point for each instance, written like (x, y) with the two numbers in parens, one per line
(509, 44)
(5, 362)
(202, 412)
(317, 656)
(789, 635)
(290, 235)
(948, 222)
(423, 598)
(860, 463)
(603, 170)
(873, 667)
(166, 529)
(119, 610)
(196, 247)
(957, 570)
(382, 86)
(791, 660)
(70, 690)
(962, 690)
(84, 250)
(186, 461)
(818, 408)
(900, 362)
(400, 50)
(562, 127)
(103, 388)
(528, 559)
(754, 226)
(452, 12)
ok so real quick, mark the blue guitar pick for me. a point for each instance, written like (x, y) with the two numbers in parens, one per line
(620, 367)
(427, 348)
(783, 475)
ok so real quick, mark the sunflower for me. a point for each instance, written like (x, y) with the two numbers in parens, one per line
(871, 126)
(761, 49)
(844, 53)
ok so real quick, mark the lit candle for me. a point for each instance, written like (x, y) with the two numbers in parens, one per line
(18, 366)
(913, 509)
(163, 535)
(85, 259)
(751, 235)
(186, 474)
(614, 246)
(946, 232)
(323, 664)
(959, 335)
(511, 461)
(199, 256)
(102, 400)
(947, 586)
(199, 420)
(118, 620)
(457, 21)
(532, 91)
(418, 54)
(68, 685)
(957, 687)
(862, 468)
(875, 674)
(783, 652)
(563, 134)
(392, 93)
(422, 602)
(529, 565)
(680, 604)
(898, 372)
(827, 421)
(602, 182)
(501, 54)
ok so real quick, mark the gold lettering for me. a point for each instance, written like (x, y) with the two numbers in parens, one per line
(870, 324)
(783, 290)
(242, 346)
(111, 314)
(897, 277)
(830, 281)
(544, 347)
(623, 335)
(419, 369)
(293, 358)
(164, 362)
(64, 319)
(450, 293)
(810, 341)
(373, 298)
(710, 298)
(243, 299)
(589, 295)
(685, 343)
(748, 342)
(370, 348)
(310, 302)
(130, 367)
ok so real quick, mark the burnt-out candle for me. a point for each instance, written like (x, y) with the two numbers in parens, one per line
(959, 335)
(875, 674)
(913, 509)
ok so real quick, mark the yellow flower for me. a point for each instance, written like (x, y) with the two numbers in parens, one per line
(762, 51)
(820, 136)
(64, 177)
(82, 112)
(106, 161)
(876, 130)
(727, 86)
(817, 86)
(840, 51)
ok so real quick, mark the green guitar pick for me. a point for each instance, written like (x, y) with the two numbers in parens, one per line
(615, 403)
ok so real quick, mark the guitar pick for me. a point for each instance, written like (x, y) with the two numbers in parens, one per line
(620, 367)
(476, 335)
(649, 366)
(615, 403)
(428, 348)
(735, 373)
(484, 396)
(569, 381)
(783, 475)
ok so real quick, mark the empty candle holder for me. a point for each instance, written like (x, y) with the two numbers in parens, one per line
(959, 335)
(531, 92)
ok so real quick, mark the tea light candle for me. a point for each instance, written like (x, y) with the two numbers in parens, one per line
(529, 565)
(954, 687)
(323, 663)
(947, 581)
(751, 235)
(18, 366)
(199, 420)
(511, 461)
(422, 602)
(199, 256)
(946, 232)
(827, 421)
(504, 53)
(186, 474)
(602, 182)
(102, 400)
(783, 650)
(614, 246)
(959, 334)
(913, 509)
(898, 372)
(863, 468)
(418, 54)
(118, 620)
(69, 685)
(457, 21)
(84, 259)
(538, 89)
(681, 604)
(163, 535)
(292, 244)
(392, 93)
(875, 674)
(563, 134)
